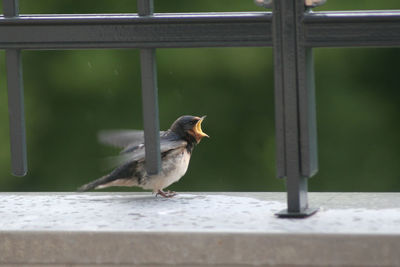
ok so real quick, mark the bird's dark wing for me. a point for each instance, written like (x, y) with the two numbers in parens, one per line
(137, 153)
(122, 138)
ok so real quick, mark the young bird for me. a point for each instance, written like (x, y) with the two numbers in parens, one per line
(176, 145)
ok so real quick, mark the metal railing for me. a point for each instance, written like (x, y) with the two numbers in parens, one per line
(290, 28)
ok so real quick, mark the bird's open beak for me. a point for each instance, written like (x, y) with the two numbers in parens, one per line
(199, 134)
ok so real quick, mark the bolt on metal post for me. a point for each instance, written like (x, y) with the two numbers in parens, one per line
(307, 3)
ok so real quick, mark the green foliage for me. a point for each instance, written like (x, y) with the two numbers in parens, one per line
(71, 95)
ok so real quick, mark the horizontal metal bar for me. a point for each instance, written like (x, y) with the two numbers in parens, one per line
(360, 28)
(322, 29)
(131, 30)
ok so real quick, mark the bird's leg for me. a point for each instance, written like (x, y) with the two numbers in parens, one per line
(161, 193)
(167, 194)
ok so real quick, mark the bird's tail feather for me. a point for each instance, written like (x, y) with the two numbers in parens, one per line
(94, 184)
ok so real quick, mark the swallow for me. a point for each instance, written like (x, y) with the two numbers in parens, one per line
(176, 147)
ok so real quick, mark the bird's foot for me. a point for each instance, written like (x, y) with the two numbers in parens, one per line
(167, 194)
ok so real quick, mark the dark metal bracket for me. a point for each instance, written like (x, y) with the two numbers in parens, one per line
(299, 215)
(296, 134)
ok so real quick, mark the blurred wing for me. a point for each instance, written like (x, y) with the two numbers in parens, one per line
(138, 153)
(122, 138)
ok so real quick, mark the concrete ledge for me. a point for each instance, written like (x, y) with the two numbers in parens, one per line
(223, 229)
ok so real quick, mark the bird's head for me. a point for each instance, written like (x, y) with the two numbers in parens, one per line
(189, 127)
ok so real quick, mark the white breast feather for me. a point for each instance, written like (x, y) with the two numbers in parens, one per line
(174, 166)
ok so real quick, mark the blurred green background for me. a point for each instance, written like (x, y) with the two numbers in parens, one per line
(71, 95)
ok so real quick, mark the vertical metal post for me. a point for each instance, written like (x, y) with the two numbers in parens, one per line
(15, 100)
(150, 98)
(294, 106)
